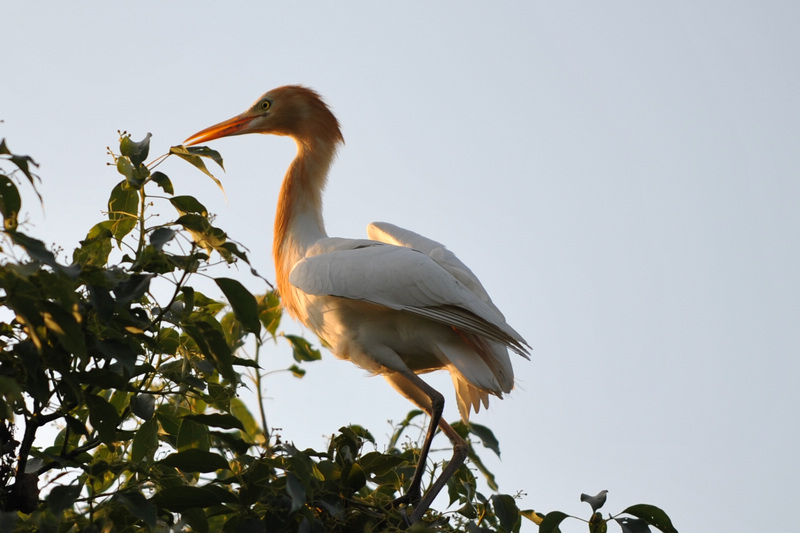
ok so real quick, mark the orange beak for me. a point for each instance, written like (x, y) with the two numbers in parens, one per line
(233, 126)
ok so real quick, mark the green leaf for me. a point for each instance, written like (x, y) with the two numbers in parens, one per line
(551, 522)
(179, 498)
(163, 181)
(486, 436)
(302, 350)
(10, 202)
(632, 525)
(136, 151)
(65, 326)
(194, 156)
(96, 246)
(217, 420)
(63, 497)
(207, 333)
(143, 406)
(123, 209)
(506, 511)
(194, 460)
(103, 417)
(296, 491)
(188, 204)
(243, 414)
(203, 233)
(653, 516)
(145, 442)
(22, 162)
(243, 303)
(192, 435)
(196, 519)
(138, 506)
(161, 236)
(34, 248)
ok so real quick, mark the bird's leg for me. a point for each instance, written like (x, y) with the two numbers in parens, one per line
(432, 402)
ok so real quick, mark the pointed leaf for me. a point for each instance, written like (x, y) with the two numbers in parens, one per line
(63, 497)
(302, 350)
(632, 525)
(10, 202)
(145, 442)
(296, 491)
(217, 420)
(192, 435)
(143, 406)
(63, 324)
(188, 204)
(163, 181)
(487, 437)
(136, 151)
(653, 516)
(243, 303)
(551, 521)
(506, 510)
(182, 497)
(194, 460)
(103, 417)
(193, 156)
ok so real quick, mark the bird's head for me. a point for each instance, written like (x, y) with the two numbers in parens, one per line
(291, 110)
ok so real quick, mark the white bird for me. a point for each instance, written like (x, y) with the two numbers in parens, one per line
(396, 304)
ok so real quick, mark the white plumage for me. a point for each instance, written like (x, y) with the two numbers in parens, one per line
(397, 304)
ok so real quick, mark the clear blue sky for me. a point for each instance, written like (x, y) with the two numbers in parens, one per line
(624, 177)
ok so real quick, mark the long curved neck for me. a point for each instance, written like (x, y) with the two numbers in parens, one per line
(298, 220)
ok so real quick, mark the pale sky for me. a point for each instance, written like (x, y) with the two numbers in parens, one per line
(624, 177)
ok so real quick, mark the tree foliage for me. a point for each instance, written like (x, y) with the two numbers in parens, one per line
(119, 382)
(119, 385)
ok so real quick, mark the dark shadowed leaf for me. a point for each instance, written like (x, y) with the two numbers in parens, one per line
(161, 236)
(23, 162)
(551, 521)
(653, 516)
(138, 506)
(506, 511)
(596, 501)
(10, 202)
(192, 435)
(182, 497)
(195, 460)
(103, 417)
(188, 204)
(163, 181)
(136, 151)
(145, 442)
(296, 491)
(243, 303)
(34, 248)
(632, 525)
(217, 420)
(63, 497)
(65, 326)
(143, 406)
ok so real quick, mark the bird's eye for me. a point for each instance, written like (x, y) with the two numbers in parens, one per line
(264, 105)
